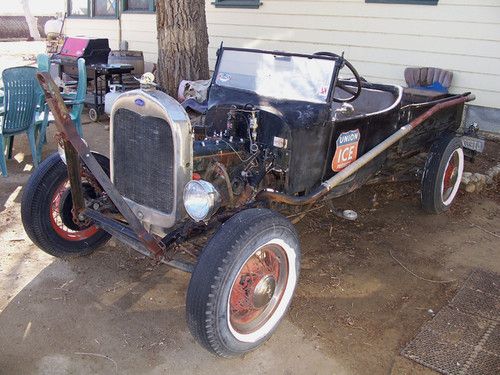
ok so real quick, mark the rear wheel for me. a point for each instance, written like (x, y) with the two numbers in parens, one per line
(243, 283)
(46, 211)
(442, 174)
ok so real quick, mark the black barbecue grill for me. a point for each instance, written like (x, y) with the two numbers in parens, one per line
(99, 73)
(94, 51)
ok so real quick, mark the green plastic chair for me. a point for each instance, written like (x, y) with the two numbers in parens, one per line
(21, 98)
(76, 101)
(43, 63)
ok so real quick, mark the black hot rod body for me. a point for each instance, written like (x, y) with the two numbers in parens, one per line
(310, 129)
(279, 130)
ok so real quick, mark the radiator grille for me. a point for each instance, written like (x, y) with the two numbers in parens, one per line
(143, 159)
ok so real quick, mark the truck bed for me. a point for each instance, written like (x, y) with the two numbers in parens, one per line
(444, 121)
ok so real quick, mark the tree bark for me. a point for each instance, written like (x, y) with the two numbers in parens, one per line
(182, 42)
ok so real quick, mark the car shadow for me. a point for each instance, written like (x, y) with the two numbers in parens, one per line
(116, 312)
(111, 300)
(19, 169)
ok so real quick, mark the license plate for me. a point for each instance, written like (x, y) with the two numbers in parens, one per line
(474, 144)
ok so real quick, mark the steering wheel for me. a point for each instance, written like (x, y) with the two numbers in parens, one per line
(354, 91)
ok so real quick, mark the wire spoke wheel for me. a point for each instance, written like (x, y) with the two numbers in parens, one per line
(47, 205)
(244, 282)
(258, 289)
(442, 174)
(61, 215)
(450, 176)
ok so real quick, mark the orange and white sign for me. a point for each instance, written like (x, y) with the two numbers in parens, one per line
(347, 150)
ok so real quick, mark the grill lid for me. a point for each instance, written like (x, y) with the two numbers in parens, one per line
(74, 47)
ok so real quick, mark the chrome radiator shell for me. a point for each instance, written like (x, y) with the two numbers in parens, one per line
(152, 109)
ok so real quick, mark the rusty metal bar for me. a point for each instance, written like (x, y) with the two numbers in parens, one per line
(75, 180)
(67, 128)
(352, 168)
(129, 238)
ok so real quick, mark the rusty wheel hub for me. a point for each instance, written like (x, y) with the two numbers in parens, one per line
(258, 289)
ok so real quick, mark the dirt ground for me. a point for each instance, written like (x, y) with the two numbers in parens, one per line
(366, 287)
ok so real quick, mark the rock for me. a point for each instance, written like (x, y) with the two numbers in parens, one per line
(470, 188)
(491, 173)
(478, 177)
(489, 180)
(466, 177)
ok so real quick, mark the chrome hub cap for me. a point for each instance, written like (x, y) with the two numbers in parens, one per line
(264, 291)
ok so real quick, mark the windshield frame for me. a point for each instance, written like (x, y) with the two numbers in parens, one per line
(336, 68)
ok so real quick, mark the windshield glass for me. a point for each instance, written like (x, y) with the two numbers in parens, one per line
(283, 77)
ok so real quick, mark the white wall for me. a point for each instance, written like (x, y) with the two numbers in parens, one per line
(380, 39)
(37, 7)
(94, 27)
(140, 32)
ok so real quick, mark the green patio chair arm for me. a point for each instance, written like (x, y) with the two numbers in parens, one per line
(68, 96)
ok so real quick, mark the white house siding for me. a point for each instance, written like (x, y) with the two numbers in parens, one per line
(139, 30)
(95, 28)
(380, 39)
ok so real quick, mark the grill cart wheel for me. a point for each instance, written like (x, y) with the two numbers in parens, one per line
(442, 174)
(243, 282)
(46, 211)
(93, 115)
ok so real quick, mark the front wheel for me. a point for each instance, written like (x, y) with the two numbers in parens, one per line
(243, 282)
(46, 211)
(442, 174)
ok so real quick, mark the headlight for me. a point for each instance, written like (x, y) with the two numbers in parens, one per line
(201, 199)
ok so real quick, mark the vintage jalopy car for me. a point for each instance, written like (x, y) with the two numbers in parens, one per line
(281, 131)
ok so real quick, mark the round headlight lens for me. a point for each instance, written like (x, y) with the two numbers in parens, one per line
(201, 199)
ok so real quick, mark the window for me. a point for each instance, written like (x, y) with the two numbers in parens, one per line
(237, 3)
(93, 8)
(415, 2)
(139, 5)
(105, 8)
(78, 7)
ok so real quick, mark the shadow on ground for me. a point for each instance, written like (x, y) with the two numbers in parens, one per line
(113, 312)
